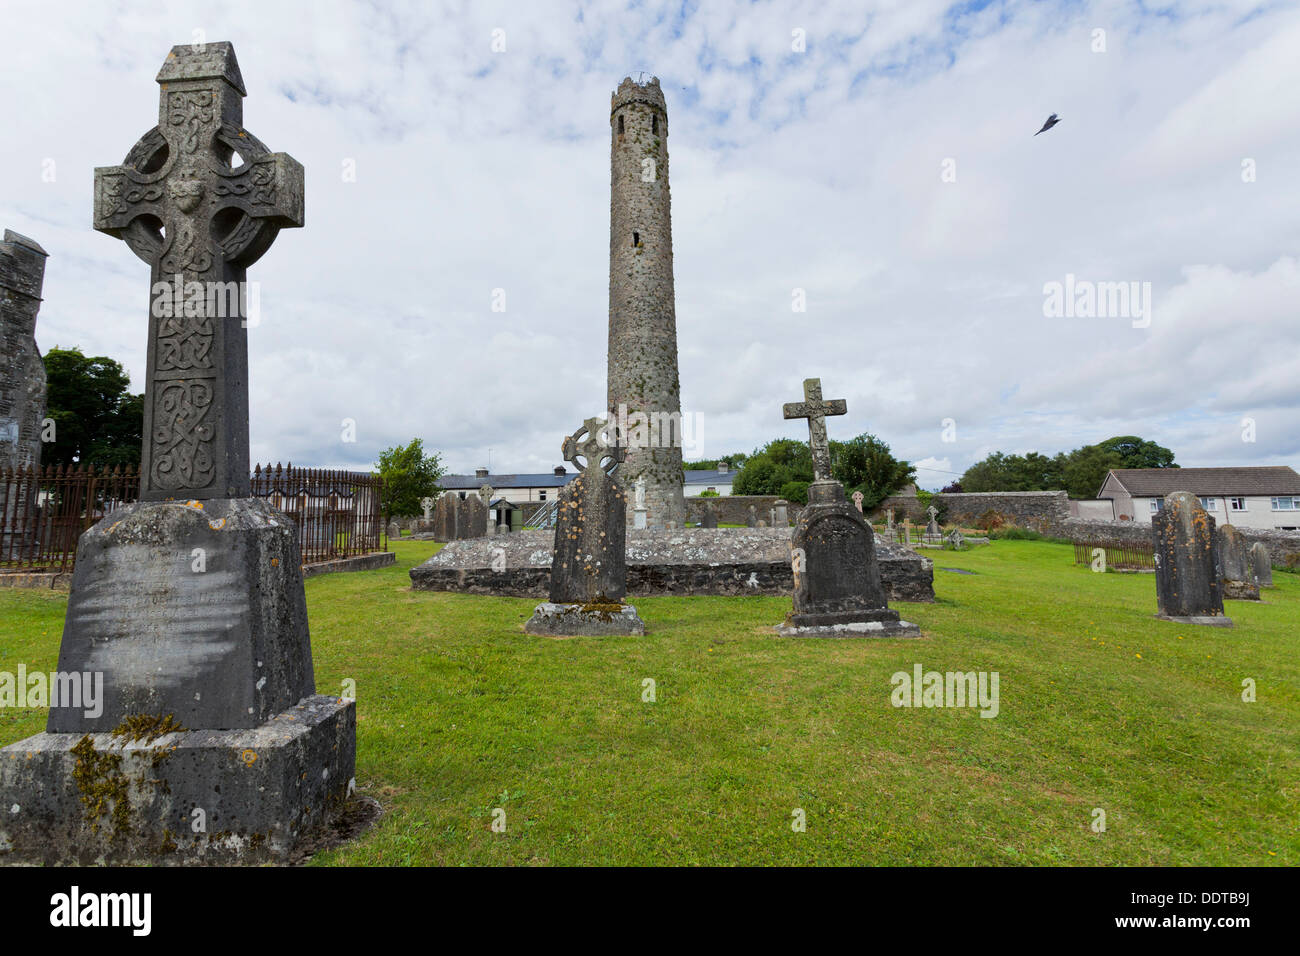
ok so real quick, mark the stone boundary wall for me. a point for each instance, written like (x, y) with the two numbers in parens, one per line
(734, 509)
(1043, 511)
(1283, 546)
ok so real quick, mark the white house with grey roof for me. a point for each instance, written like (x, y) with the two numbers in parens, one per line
(514, 488)
(1263, 497)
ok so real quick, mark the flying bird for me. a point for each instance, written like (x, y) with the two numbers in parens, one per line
(1051, 121)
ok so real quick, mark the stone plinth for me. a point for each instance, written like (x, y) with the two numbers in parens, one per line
(200, 796)
(1187, 563)
(195, 610)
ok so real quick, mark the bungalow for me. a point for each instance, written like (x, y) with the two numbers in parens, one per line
(1267, 497)
(717, 479)
(516, 489)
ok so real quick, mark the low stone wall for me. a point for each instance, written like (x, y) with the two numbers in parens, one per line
(1043, 511)
(724, 561)
(358, 562)
(1283, 546)
(734, 509)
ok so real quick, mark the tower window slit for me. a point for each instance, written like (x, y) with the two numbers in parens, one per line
(636, 238)
(620, 126)
(654, 125)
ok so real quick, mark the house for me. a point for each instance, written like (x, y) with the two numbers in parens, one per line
(717, 479)
(515, 489)
(1265, 497)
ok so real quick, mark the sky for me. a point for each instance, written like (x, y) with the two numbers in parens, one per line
(879, 158)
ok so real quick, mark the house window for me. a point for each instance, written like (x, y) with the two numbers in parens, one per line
(1236, 504)
(1156, 505)
(1210, 504)
(1288, 503)
(541, 496)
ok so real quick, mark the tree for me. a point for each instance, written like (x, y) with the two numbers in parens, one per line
(953, 488)
(1137, 453)
(1086, 469)
(409, 475)
(769, 468)
(865, 464)
(97, 421)
(711, 464)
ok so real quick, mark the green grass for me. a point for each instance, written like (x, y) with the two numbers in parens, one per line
(1102, 706)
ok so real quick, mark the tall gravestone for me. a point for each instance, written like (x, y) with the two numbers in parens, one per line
(589, 562)
(1238, 579)
(1261, 563)
(1187, 563)
(189, 604)
(710, 517)
(837, 589)
(446, 525)
(22, 390)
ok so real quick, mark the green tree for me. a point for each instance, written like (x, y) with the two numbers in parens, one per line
(769, 468)
(409, 475)
(865, 464)
(1138, 453)
(795, 491)
(97, 421)
(1086, 469)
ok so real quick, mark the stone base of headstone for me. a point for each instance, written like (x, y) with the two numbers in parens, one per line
(1218, 620)
(585, 620)
(1240, 590)
(257, 796)
(875, 622)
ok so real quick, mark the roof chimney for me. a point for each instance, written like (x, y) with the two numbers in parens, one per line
(559, 471)
(480, 472)
(724, 467)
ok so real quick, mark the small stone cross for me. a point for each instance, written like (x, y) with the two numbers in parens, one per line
(427, 505)
(816, 410)
(857, 501)
(200, 199)
(594, 449)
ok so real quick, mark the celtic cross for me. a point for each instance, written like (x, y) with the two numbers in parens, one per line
(595, 449)
(200, 199)
(815, 410)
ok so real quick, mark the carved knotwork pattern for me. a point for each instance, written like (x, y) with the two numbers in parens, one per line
(184, 344)
(192, 111)
(182, 455)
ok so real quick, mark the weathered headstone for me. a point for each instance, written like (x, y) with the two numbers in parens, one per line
(394, 529)
(956, 539)
(751, 521)
(1261, 563)
(710, 516)
(427, 504)
(189, 603)
(781, 514)
(907, 531)
(446, 517)
(1235, 565)
(932, 528)
(1187, 563)
(589, 562)
(857, 501)
(837, 589)
(22, 391)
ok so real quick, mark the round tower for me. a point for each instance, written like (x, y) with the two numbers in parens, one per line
(644, 392)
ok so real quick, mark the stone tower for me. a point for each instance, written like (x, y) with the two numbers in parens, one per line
(22, 374)
(643, 384)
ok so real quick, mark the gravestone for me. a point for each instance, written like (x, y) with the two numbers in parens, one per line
(1187, 563)
(751, 521)
(857, 501)
(781, 514)
(427, 504)
(446, 517)
(837, 589)
(394, 529)
(589, 561)
(710, 517)
(956, 539)
(190, 602)
(1261, 563)
(22, 390)
(907, 532)
(1235, 565)
(932, 528)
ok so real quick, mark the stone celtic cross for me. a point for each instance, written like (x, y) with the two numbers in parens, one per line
(932, 511)
(200, 199)
(594, 449)
(427, 504)
(857, 500)
(816, 411)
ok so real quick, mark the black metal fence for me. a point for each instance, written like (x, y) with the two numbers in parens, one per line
(1125, 556)
(44, 511)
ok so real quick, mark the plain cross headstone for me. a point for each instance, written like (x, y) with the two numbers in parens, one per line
(184, 207)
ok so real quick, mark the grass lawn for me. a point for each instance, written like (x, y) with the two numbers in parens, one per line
(1101, 706)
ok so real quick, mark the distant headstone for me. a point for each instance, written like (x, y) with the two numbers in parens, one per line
(394, 529)
(1235, 565)
(188, 603)
(427, 504)
(446, 514)
(751, 520)
(1187, 563)
(837, 589)
(956, 539)
(710, 517)
(857, 501)
(1261, 562)
(589, 561)
(907, 531)
(933, 526)
(781, 514)
(762, 523)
